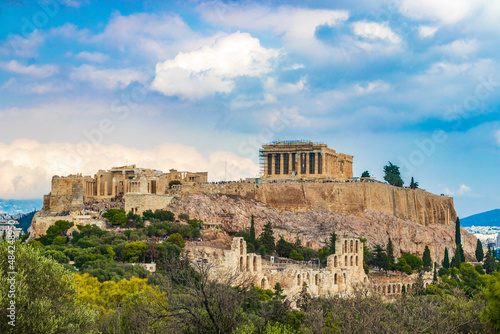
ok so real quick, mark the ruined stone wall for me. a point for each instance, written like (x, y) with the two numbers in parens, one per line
(343, 273)
(139, 203)
(41, 223)
(414, 205)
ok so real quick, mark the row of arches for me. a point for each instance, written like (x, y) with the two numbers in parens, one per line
(352, 261)
(310, 279)
(251, 263)
(395, 288)
(350, 246)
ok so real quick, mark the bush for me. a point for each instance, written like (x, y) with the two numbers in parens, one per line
(115, 216)
(294, 255)
(177, 240)
(183, 216)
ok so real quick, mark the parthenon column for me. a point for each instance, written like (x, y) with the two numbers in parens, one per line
(113, 188)
(289, 163)
(282, 163)
(98, 186)
(307, 160)
(105, 188)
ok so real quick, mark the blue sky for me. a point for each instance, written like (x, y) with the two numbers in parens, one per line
(198, 85)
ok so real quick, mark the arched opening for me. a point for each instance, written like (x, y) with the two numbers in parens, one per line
(352, 246)
(364, 280)
(316, 279)
(249, 263)
(383, 289)
(298, 280)
(357, 264)
(335, 264)
(399, 288)
(388, 289)
(357, 249)
(351, 261)
(345, 246)
(408, 287)
(308, 279)
(394, 288)
(255, 263)
(241, 246)
(344, 279)
(335, 279)
(242, 266)
(346, 263)
(263, 283)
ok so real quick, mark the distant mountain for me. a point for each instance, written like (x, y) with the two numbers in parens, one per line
(15, 206)
(488, 218)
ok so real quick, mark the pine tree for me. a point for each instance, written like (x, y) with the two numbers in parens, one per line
(251, 238)
(435, 277)
(426, 258)
(490, 264)
(457, 258)
(390, 252)
(380, 258)
(333, 240)
(446, 260)
(297, 244)
(413, 184)
(267, 238)
(479, 251)
(458, 238)
(461, 252)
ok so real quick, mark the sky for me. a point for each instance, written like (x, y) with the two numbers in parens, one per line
(201, 85)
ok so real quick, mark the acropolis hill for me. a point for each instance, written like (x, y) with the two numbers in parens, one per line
(304, 186)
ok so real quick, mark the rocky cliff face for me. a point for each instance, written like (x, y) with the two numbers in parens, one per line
(314, 226)
(415, 205)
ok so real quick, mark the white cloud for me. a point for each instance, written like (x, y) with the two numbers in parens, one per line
(41, 71)
(443, 11)
(372, 87)
(286, 117)
(95, 57)
(212, 68)
(107, 78)
(374, 30)
(19, 46)
(497, 136)
(463, 189)
(427, 31)
(27, 166)
(459, 48)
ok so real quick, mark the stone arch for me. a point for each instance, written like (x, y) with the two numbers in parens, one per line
(399, 288)
(344, 278)
(383, 289)
(299, 283)
(357, 262)
(345, 246)
(335, 279)
(241, 246)
(394, 288)
(346, 263)
(365, 279)
(335, 263)
(264, 284)
(352, 262)
(255, 263)
(249, 263)
(242, 264)
(357, 246)
(308, 279)
(388, 288)
(407, 287)
(316, 279)
(352, 247)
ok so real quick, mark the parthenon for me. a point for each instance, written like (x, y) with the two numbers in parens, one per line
(304, 159)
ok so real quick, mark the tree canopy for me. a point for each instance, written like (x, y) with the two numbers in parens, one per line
(392, 175)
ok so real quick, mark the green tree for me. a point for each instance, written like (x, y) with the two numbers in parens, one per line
(413, 261)
(446, 260)
(115, 216)
(403, 266)
(298, 243)
(365, 174)
(413, 184)
(44, 296)
(458, 238)
(134, 250)
(251, 238)
(59, 240)
(267, 238)
(177, 239)
(490, 264)
(479, 251)
(392, 175)
(283, 247)
(390, 253)
(174, 183)
(426, 259)
(435, 277)
(294, 255)
(333, 241)
(492, 312)
(380, 259)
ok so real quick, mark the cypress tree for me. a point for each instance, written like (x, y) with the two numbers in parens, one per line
(458, 238)
(426, 258)
(390, 252)
(267, 238)
(446, 260)
(252, 238)
(479, 251)
(461, 252)
(435, 277)
(333, 240)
